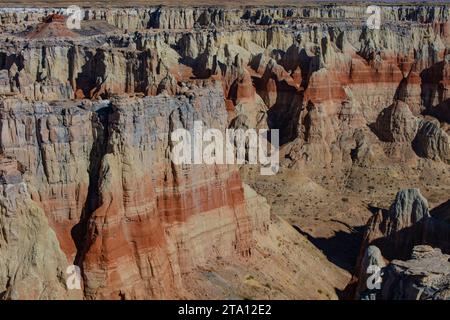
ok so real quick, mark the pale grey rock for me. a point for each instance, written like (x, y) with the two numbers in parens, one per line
(408, 208)
(425, 276)
(372, 261)
(432, 142)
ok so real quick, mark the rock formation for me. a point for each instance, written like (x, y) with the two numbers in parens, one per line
(410, 233)
(426, 276)
(85, 151)
(33, 265)
(137, 225)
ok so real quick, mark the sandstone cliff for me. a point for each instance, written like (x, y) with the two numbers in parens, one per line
(85, 123)
(137, 225)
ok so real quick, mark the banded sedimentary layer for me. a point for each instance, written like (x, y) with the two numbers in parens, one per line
(86, 116)
(115, 204)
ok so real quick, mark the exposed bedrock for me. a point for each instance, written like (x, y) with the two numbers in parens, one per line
(405, 242)
(137, 225)
(91, 170)
(425, 276)
(404, 133)
(61, 148)
(33, 265)
(322, 84)
(157, 219)
(85, 123)
(185, 17)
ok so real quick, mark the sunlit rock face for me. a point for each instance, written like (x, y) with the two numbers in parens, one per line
(102, 174)
(155, 221)
(86, 118)
(33, 264)
(101, 177)
(407, 242)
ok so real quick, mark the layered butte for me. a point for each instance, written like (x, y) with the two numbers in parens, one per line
(86, 117)
(99, 176)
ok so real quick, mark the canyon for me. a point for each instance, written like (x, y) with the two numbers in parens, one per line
(86, 117)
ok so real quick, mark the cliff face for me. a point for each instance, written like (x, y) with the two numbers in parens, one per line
(33, 265)
(86, 117)
(189, 17)
(137, 225)
(102, 174)
(155, 221)
(319, 80)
